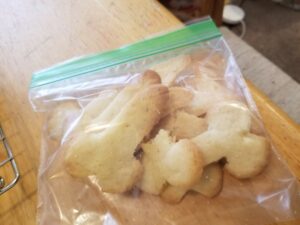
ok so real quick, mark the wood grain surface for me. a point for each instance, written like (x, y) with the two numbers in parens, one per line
(35, 34)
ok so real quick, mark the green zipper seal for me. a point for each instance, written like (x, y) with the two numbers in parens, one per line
(188, 35)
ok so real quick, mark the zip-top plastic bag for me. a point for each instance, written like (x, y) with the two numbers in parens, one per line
(163, 131)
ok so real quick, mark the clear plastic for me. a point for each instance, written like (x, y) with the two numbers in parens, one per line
(269, 197)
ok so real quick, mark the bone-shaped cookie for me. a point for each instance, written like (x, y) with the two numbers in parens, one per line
(207, 92)
(102, 110)
(58, 121)
(168, 162)
(228, 136)
(169, 69)
(183, 125)
(209, 185)
(109, 154)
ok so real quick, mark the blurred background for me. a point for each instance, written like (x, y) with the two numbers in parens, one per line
(272, 27)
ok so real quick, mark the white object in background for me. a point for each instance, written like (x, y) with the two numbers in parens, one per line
(233, 14)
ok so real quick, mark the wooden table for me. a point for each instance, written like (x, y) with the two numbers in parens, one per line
(36, 34)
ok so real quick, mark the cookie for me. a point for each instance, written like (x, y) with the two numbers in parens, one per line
(60, 119)
(183, 125)
(168, 162)
(211, 181)
(246, 154)
(207, 92)
(169, 69)
(109, 154)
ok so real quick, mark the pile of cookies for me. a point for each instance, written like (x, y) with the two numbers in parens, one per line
(166, 133)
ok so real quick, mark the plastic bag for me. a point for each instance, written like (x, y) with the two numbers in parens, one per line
(86, 101)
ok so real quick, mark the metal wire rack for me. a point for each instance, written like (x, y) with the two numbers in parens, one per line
(9, 159)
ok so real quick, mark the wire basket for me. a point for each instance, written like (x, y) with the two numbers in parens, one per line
(4, 187)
